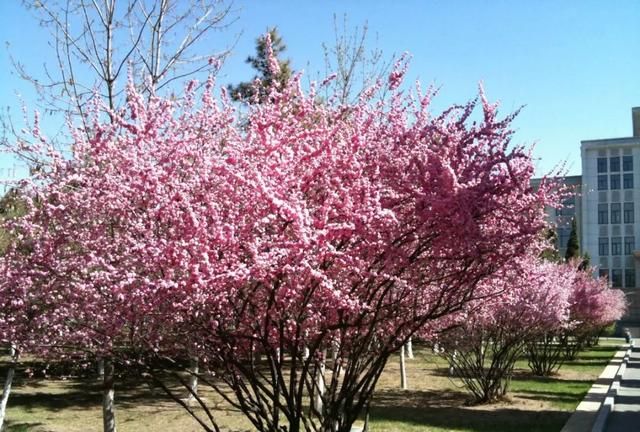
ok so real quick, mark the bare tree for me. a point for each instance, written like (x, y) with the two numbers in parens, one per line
(356, 66)
(97, 41)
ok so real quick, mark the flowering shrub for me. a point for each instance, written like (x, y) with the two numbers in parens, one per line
(492, 333)
(177, 231)
(592, 306)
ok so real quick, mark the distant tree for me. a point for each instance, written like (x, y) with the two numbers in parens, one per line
(95, 43)
(573, 245)
(586, 261)
(493, 332)
(593, 306)
(550, 253)
(355, 60)
(266, 76)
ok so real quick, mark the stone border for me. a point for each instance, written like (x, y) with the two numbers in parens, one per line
(587, 413)
(609, 401)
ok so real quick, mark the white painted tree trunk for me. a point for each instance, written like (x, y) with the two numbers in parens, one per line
(193, 378)
(100, 368)
(108, 410)
(409, 349)
(403, 370)
(365, 428)
(257, 357)
(7, 386)
(317, 400)
(334, 359)
(451, 368)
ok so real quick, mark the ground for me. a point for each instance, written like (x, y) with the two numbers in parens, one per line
(435, 402)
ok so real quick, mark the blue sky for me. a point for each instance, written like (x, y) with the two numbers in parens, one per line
(573, 64)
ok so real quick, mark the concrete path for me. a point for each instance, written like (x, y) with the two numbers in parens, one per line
(626, 412)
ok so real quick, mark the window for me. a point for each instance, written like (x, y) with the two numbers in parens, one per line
(630, 278)
(629, 245)
(616, 278)
(602, 165)
(615, 181)
(615, 213)
(628, 212)
(616, 245)
(603, 214)
(627, 181)
(603, 272)
(627, 163)
(614, 164)
(602, 182)
(603, 246)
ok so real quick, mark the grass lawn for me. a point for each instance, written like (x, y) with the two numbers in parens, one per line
(534, 404)
(435, 402)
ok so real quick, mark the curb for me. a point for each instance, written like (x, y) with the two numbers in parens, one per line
(609, 401)
(586, 413)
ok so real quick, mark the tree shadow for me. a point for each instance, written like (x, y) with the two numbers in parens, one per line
(22, 426)
(55, 395)
(555, 397)
(471, 419)
(593, 361)
(420, 398)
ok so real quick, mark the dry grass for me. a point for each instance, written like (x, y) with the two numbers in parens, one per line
(435, 402)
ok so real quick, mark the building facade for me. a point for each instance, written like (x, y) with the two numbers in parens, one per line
(610, 202)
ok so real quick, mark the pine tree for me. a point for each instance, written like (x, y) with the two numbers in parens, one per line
(586, 262)
(550, 253)
(245, 91)
(573, 245)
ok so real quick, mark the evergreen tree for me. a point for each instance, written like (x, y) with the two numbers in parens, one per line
(573, 245)
(266, 78)
(550, 253)
(586, 262)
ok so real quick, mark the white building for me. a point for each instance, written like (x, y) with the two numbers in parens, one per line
(610, 218)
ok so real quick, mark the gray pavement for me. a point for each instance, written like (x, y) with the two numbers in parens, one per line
(626, 412)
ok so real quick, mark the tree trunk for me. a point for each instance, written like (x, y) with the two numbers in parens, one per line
(7, 385)
(100, 367)
(403, 370)
(317, 400)
(409, 349)
(108, 411)
(193, 378)
(334, 359)
(365, 428)
(452, 362)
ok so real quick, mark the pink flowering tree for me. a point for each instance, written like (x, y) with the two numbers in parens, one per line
(11, 206)
(492, 333)
(292, 251)
(592, 306)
